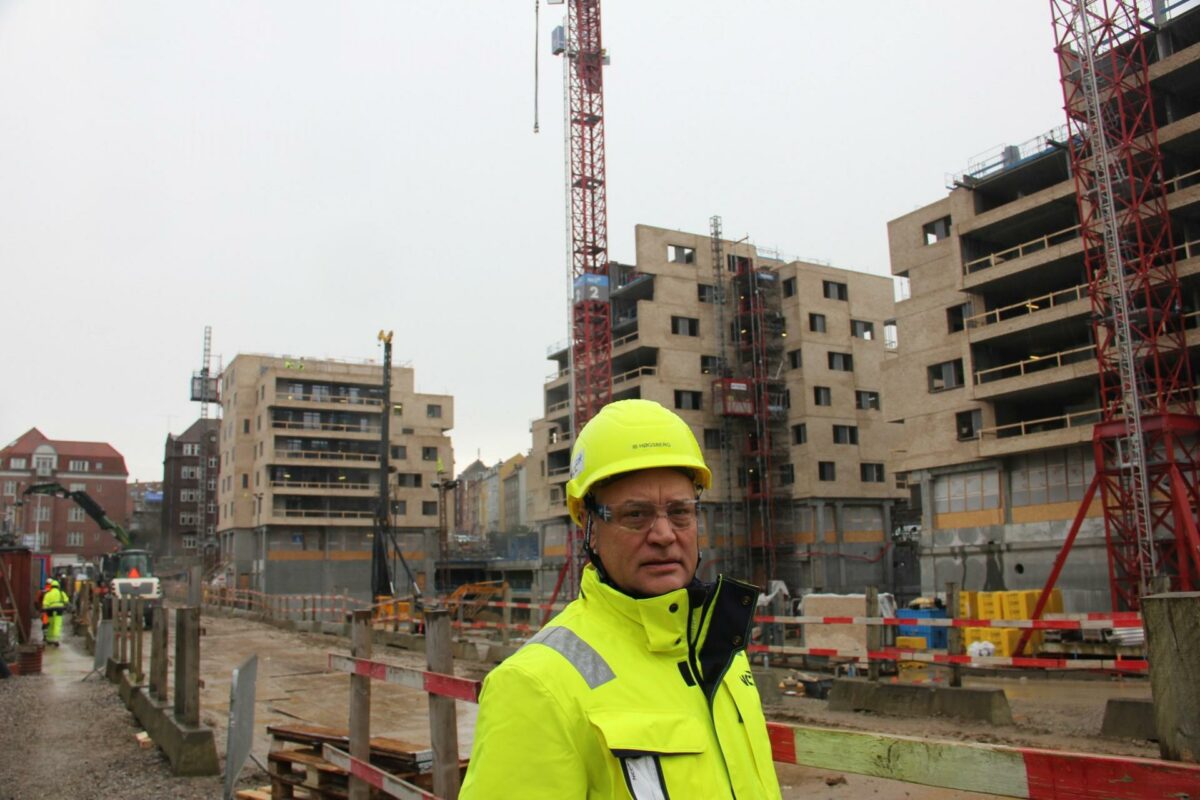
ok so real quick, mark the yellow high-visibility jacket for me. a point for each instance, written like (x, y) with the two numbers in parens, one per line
(55, 600)
(626, 698)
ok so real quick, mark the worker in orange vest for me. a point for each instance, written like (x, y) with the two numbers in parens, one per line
(37, 601)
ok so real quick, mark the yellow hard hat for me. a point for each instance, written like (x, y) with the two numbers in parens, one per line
(631, 435)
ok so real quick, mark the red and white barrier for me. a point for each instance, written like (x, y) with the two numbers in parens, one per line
(431, 682)
(1023, 772)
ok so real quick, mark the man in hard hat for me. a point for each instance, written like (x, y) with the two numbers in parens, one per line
(641, 687)
(54, 602)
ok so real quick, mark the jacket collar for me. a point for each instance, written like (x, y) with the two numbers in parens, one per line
(662, 620)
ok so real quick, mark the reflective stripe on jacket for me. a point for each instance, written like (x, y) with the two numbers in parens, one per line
(625, 698)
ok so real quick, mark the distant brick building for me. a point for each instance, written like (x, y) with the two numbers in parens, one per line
(189, 501)
(53, 525)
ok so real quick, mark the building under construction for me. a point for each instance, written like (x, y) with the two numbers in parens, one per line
(776, 364)
(301, 455)
(1022, 365)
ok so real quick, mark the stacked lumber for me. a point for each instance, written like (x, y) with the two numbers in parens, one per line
(297, 769)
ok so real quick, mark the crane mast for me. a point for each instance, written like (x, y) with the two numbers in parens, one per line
(591, 328)
(1146, 444)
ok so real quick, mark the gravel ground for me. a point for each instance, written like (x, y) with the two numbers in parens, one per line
(65, 737)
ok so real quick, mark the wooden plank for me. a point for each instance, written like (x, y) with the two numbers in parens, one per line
(389, 784)
(949, 765)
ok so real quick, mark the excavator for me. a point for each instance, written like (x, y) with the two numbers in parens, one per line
(127, 573)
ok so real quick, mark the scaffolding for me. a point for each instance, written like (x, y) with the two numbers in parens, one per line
(751, 398)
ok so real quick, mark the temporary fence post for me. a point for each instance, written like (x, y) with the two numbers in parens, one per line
(138, 627)
(360, 703)
(158, 653)
(1173, 649)
(187, 665)
(954, 635)
(874, 632)
(122, 625)
(443, 722)
(506, 613)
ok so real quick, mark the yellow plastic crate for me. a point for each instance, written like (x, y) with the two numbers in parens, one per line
(1020, 604)
(991, 605)
(972, 635)
(968, 605)
(911, 643)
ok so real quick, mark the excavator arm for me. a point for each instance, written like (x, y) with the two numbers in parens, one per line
(89, 506)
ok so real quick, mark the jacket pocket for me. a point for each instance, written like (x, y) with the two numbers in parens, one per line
(651, 749)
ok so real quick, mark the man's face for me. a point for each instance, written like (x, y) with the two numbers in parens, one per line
(656, 562)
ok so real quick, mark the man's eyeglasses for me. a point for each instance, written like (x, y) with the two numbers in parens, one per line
(638, 516)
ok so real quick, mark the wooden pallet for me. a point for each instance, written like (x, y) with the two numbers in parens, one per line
(305, 770)
(394, 755)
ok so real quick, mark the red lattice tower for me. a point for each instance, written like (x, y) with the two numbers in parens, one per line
(591, 328)
(1147, 445)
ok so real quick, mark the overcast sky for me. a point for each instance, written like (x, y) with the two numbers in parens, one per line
(301, 174)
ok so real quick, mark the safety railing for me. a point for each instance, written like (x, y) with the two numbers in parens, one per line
(322, 513)
(339, 427)
(320, 397)
(322, 485)
(1040, 303)
(1021, 250)
(1035, 363)
(325, 455)
(634, 374)
(1043, 424)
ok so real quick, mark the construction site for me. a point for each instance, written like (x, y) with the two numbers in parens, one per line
(969, 493)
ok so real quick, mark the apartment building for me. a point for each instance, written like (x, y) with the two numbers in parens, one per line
(776, 365)
(995, 377)
(191, 469)
(300, 462)
(55, 525)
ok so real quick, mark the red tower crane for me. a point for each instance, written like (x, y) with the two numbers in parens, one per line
(591, 327)
(1147, 444)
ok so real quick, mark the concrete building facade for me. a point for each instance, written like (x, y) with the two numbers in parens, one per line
(995, 375)
(300, 460)
(674, 342)
(54, 525)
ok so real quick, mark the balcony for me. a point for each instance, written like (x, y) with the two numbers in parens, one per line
(325, 516)
(326, 399)
(1037, 245)
(1056, 431)
(325, 455)
(321, 487)
(1082, 359)
(628, 338)
(633, 375)
(325, 427)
